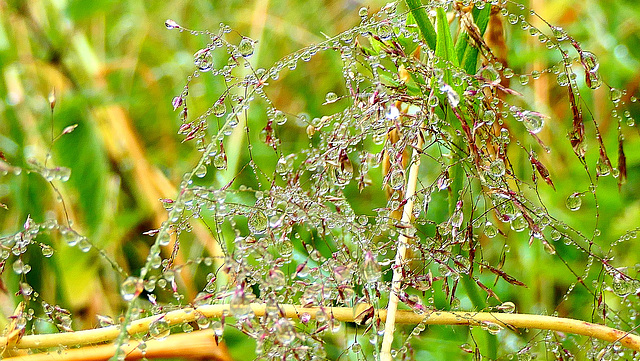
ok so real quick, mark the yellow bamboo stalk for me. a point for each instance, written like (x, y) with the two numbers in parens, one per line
(401, 255)
(197, 345)
(344, 314)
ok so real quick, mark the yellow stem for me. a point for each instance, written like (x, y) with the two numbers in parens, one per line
(344, 314)
(401, 255)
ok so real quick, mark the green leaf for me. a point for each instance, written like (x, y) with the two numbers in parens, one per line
(424, 24)
(468, 54)
(445, 49)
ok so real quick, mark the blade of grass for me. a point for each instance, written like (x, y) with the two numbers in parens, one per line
(468, 54)
(424, 24)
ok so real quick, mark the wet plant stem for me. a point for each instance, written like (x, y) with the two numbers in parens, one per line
(343, 314)
(469, 286)
(401, 255)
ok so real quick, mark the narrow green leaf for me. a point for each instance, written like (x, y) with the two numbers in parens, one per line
(444, 48)
(424, 24)
(469, 57)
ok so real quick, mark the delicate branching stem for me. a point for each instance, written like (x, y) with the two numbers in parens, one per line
(401, 255)
(344, 314)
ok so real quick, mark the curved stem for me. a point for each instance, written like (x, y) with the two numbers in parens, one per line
(344, 314)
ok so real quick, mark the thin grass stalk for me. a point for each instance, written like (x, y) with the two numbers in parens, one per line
(401, 255)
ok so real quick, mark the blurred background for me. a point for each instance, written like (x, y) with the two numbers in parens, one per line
(115, 68)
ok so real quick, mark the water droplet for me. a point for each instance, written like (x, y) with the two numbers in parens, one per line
(491, 75)
(603, 168)
(279, 117)
(594, 81)
(276, 279)
(285, 332)
(563, 79)
(555, 235)
(433, 101)
(203, 60)
(508, 73)
(246, 47)
(64, 174)
(170, 24)
(18, 266)
(385, 31)
(512, 19)
(615, 95)
(590, 61)
(497, 168)
(492, 328)
(518, 223)
(257, 222)
(490, 230)
(622, 286)
(201, 172)
(84, 245)
(239, 305)
(363, 12)
(331, 97)
(524, 79)
(131, 288)
(285, 164)
(47, 250)
(559, 33)
(159, 329)
(220, 161)
(164, 238)
(371, 268)
(489, 117)
(396, 179)
(574, 201)
(219, 109)
(507, 307)
(177, 102)
(285, 248)
(533, 121)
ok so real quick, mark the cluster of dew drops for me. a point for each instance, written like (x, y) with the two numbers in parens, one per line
(337, 279)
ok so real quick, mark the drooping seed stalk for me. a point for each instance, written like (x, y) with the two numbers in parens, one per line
(401, 254)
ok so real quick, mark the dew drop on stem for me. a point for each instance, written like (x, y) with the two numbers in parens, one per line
(159, 329)
(257, 222)
(615, 95)
(131, 288)
(371, 268)
(201, 172)
(533, 121)
(203, 60)
(363, 12)
(219, 109)
(497, 168)
(396, 179)
(574, 201)
(490, 230)
(331, 97)
(246, 47)
(170, 24)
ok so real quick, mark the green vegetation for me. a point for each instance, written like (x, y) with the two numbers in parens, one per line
(289, 180)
